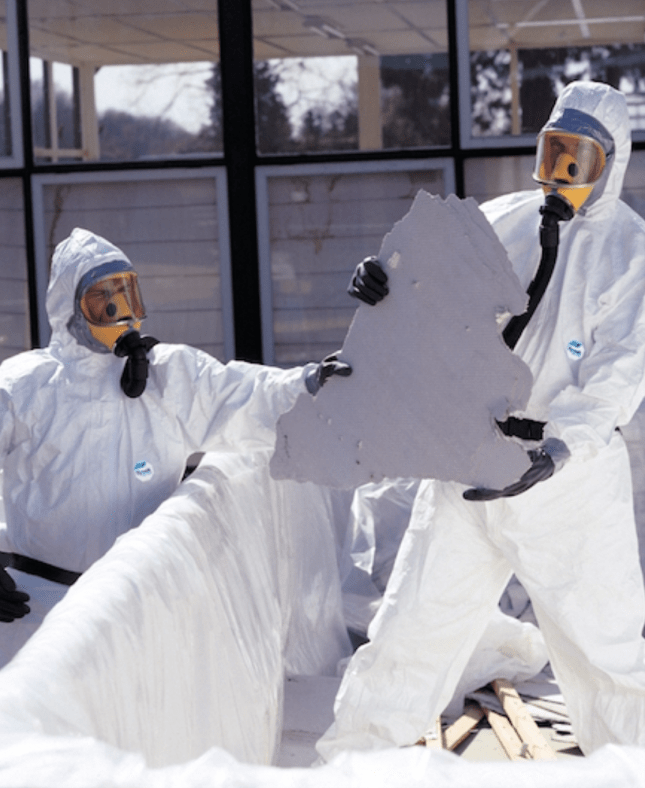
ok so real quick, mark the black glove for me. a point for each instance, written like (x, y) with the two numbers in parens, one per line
(545, 461)
(12, 601)
(329, 366)
(369, 282)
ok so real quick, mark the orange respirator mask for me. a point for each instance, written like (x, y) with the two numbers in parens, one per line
(573, 151)
(108, 303)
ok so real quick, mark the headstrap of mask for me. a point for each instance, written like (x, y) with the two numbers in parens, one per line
(98, 273)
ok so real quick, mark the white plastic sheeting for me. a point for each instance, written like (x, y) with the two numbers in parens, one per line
(634, 434)
(171, 650)
(39, 761)
(178, 639)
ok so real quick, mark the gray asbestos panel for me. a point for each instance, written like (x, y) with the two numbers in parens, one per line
(431, 372)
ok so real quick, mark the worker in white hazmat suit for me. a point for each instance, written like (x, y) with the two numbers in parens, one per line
(90, 445)
(566, 528)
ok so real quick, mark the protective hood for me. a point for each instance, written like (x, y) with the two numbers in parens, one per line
(608, 106)
(74, 257)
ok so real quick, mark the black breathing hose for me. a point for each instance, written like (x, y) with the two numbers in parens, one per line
(554, 210)
(135, 372)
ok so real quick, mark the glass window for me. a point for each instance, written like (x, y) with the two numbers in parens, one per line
(318, 223)
(55, 111)
(124, 80)
(634, 186)
(10, 120)
(14, 305)
(5, 115)
(170, 229)
(523, 53)
(359, 75)
(492, 176)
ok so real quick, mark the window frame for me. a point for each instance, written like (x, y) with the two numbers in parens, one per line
(240, 165)
(262, 176)
(466, 139)
(218, 174)
(16, 158)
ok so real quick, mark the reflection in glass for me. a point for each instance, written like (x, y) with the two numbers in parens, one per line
(168, 228)
(364, 75)
(6, 148)
(518, 65)
(5, 115)
(546, 71)
(124, 81)
(158, 110)
(488, 177)
(415, 100)
(14, 308)
(634, 185)
(305, 104)
(55, 109)
(321, 224)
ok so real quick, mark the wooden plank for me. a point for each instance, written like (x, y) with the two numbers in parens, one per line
(514, 747)
(537, 746)
(434, 739)
(462, 727)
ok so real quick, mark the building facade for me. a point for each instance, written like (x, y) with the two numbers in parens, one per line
(246, 155)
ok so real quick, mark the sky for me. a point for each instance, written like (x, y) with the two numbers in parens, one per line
(177, 91)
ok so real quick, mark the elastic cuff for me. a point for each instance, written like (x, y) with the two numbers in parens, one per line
(312, 383)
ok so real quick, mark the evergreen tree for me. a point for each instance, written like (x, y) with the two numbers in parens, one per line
(415, 100)
(490, 92)
(123, 136)
(272, 127)
(543, 74)
(210, 137)
(330, 130)
(67, 126)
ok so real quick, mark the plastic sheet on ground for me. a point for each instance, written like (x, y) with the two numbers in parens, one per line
(179, 638)
(69, 762)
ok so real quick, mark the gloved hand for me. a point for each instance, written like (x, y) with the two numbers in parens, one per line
(545, 461)
(12, 601)
(329, 366)
(369, 282)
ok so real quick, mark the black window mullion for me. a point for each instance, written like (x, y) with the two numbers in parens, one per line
(22, 19)
(453, 59)
(238, 120)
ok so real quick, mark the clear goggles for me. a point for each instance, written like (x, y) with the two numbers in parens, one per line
(567, 159)
(113, 299)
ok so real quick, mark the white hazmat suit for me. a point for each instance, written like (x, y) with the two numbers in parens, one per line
(82, 462)
(571, 540)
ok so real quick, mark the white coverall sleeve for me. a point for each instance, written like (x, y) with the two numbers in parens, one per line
(237, 405)
(6, 424)
(611, 379)
(6, 431)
